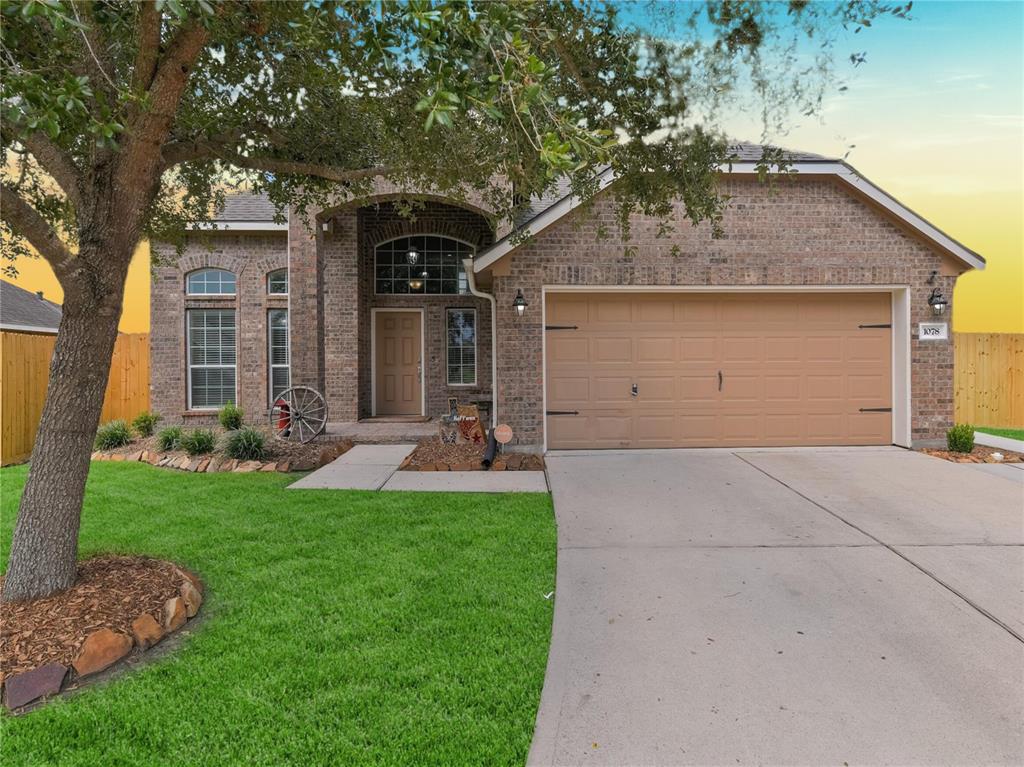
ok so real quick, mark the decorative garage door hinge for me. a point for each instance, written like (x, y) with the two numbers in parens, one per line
(876, 410)
(561, 327)
(883, 325)
(561, 412)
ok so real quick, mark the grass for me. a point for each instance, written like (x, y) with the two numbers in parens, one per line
(339, 627)
(1010, 433)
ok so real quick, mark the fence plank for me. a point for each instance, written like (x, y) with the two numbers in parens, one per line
(24, 372)
(988, 379)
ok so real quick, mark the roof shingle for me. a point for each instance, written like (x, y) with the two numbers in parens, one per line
(21, 308)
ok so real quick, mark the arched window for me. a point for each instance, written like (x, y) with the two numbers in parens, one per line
(421, 265)
(277, 282)
(211, 282)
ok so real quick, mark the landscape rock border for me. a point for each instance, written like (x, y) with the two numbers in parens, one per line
(214, 463)
(104, 649)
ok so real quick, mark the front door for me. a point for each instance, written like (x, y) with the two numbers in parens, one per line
(398, 363)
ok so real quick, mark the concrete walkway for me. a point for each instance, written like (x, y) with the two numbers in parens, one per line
(375, 467)
(861, 606)
(364, 467)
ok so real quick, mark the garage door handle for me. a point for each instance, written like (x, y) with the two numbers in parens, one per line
(719, 380)
(635, 390)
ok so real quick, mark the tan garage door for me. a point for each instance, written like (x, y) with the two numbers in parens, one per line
(702, 369)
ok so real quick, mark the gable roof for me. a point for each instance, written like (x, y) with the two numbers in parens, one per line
(244, 211)
(745, 160)
(26, 311)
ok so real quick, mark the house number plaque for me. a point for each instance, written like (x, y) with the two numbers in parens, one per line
(933, 331)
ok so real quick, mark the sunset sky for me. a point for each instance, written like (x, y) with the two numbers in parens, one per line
(935, 115)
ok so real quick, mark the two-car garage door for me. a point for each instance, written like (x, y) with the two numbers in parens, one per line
(718, 369)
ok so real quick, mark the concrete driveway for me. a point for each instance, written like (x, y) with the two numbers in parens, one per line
(799, 607)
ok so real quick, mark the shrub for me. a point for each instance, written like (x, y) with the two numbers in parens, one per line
(169, 438)
(230, 416)
(960, 439)
(246, 445)
(145, 423)
(112, 435)
(198, 441)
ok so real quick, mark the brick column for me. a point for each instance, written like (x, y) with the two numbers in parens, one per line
(305, 316)
(340, 257)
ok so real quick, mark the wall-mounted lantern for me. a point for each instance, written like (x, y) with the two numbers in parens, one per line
(937, 302)
(520, 303)
(412, 255)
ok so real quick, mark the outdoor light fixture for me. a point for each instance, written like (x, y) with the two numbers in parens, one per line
(520, 302)
(412, 256)
(937, 302)
(417, 282)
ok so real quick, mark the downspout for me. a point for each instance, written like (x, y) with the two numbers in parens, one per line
(467, 266)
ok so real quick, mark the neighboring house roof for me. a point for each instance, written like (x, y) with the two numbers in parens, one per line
(26, 311)
(746, 158)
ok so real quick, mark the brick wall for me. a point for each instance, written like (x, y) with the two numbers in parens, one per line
(804, 232)
(250, 257)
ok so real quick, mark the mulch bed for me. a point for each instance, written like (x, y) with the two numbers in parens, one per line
(282, 455)
(980, 454)
(433, 455)
(111, 591)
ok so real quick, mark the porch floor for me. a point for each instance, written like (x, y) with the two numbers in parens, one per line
(376, 431)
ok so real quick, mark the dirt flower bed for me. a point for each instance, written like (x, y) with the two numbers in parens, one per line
(433, 455)
(118, 606)
(281, 454)
(980, 454)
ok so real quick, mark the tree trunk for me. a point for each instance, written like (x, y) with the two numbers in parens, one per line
(44, 550)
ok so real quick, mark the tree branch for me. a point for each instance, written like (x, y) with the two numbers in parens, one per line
(148, 53)
(298, 168)
(56, 162)
(26, 222)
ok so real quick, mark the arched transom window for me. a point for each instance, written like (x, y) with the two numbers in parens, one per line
(277, 282)
(211, 282)
(421, 265)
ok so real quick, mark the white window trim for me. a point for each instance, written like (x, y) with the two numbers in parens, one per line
(189, 365)
(287, 280)
(461, 264)
(476, 351)
(188, 277)
(270, 348)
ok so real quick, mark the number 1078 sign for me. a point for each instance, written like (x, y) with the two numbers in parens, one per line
(933, 331)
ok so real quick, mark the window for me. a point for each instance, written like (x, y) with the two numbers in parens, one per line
(277, 282)
(438, 267)
(462, 347)
(279, 373)
(211, 358)
(211, 282)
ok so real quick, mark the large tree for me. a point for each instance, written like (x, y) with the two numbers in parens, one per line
(125, 120)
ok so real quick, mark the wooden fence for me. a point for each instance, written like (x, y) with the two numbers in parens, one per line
(24, 371)
(988, 379)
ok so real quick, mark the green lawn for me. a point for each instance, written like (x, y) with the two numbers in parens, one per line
(340, 627)
(1010, 433)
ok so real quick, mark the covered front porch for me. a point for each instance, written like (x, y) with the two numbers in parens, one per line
(398, 329)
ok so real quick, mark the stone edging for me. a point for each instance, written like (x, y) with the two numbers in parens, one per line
(105, 647)
(218, 463)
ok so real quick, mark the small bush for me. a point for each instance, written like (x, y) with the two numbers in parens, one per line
(169, 438)
(246, 445)
(960, 439)
(198, 441)
(112, 435)
(230, 416)
(145, 423)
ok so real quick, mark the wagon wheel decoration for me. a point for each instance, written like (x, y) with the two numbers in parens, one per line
(299, 414)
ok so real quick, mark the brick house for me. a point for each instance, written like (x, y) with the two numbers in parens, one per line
(819, 318)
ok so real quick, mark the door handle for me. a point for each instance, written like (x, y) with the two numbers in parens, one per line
(635, 390)
(719, 380)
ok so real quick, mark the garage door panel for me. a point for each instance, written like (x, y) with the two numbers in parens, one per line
(796, 368)
(657, 349)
